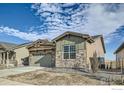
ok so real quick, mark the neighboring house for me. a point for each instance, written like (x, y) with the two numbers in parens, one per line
(120, 56)
(109, 64)
(42, 53)
(74, 50)
(7, 55)
(22, 54)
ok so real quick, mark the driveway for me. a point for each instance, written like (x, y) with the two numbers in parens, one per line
(14, 71)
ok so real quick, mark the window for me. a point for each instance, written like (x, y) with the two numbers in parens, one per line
(69, 52)
(101, 59)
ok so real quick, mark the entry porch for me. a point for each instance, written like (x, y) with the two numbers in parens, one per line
(7, 58)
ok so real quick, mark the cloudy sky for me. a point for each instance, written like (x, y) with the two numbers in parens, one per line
(21, 23)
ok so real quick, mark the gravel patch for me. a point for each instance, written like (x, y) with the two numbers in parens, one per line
(41, 77)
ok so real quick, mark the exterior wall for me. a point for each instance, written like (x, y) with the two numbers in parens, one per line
(94, 47)
(80, 60)
(120, 59)
(21, 53)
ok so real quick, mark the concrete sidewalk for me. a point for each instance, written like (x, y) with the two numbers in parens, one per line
(14, 71)
(17, 70)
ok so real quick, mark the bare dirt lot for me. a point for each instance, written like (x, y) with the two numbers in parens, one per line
(40, 77)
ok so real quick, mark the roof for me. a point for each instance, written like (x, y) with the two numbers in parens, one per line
(119, 48)
(41, 41)
(7, 46)
(86, 36)
(97, 36)
(22, 45)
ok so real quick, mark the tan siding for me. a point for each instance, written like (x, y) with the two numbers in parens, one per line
(94, 47)
(120, 58)
(21, 53)
(110, 64)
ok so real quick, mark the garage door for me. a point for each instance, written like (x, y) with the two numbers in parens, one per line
(43, 60)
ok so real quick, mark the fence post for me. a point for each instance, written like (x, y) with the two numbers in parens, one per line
(122, 66)
(121, 79)
(109, 80)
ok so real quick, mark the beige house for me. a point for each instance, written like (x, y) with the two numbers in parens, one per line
(120, 56)
(109, 64)
(21, 54)
(7, 55)
(74, 50)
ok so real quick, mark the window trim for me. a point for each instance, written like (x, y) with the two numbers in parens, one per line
(69, 53)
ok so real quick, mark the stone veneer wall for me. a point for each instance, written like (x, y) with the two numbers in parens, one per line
(79, 62)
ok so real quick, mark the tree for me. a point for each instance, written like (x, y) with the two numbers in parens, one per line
(94, 63)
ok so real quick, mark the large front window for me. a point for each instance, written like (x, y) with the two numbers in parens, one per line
(69, 52)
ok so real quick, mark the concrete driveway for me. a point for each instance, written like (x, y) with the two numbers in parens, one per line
(14, 71)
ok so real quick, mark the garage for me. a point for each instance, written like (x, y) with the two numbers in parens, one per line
(42, 53)
(44, 60)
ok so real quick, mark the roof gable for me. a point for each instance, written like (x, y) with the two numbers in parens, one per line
(85, 36)
(44, 43)
(119, 48)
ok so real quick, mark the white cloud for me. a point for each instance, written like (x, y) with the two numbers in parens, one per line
(101, 21)
(85, 18)
(98, 18)
(23, 35)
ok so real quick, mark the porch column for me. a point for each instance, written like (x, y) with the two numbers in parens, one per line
(0, 58)
(7, 58)
(3, 57)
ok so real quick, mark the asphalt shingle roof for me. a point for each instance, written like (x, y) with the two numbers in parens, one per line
(119, 48)
(8, 46)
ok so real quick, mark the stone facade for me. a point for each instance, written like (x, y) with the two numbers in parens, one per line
(81, 54)
(79, 62)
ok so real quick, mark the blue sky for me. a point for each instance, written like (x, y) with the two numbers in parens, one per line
(21, 23)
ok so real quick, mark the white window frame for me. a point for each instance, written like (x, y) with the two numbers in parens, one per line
(69, 51)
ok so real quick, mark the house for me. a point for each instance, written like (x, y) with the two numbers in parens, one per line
(7, 55)
(109, 64)
(68, 50)
(120, 56)
(42, 53)
(22, 54)
(75, 50)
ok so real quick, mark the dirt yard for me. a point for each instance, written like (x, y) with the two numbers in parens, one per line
(40, 77)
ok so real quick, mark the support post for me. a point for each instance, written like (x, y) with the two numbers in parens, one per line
(122, 66)
(3, 58)
(7, 59)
